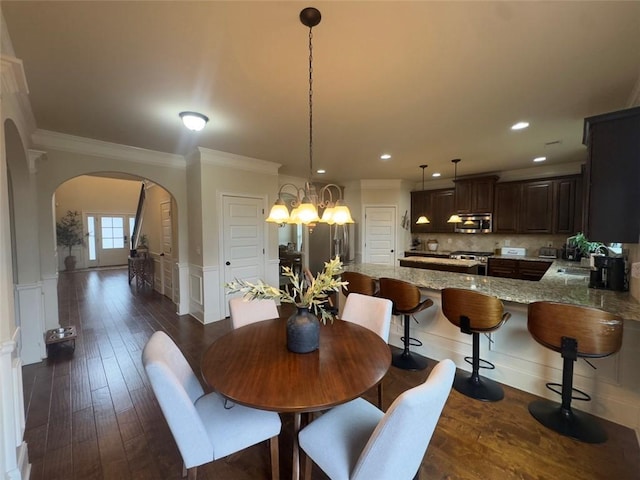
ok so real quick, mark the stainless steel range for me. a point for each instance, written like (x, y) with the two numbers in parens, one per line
(482, 257)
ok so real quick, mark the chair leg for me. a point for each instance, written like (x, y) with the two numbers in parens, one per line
(475, 386)
(275, 458)
(408, 360)
(562, 418)
(307, 465)
(192, 473)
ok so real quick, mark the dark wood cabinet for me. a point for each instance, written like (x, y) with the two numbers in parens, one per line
(475, 195)
(502, 267)
(613, 176)
(442, 207)
(507, 207)
(565, 199)
(536, 215)
(437, 205)
(518, 269)
(538, 206)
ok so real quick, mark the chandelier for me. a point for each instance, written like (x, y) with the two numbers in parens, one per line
(307, 201)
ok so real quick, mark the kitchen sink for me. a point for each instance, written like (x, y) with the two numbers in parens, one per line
(574, 271)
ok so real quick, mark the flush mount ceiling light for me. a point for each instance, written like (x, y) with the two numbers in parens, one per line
(435, 174)
(193, 120)
(422, 219)
(519, 125)
(385, 156)
(539, 159)
(306, 200)
(455, 218)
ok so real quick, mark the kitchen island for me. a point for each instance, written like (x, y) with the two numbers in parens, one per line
(520, 361)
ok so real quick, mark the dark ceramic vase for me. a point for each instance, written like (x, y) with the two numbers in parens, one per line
(303, 331)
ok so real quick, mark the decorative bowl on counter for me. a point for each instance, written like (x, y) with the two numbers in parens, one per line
(432, 245)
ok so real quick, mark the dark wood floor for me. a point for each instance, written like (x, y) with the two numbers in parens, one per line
(91, 414)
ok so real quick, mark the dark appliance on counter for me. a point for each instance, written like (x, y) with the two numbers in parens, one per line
(482, 257)
(608, 273)
(475, 223)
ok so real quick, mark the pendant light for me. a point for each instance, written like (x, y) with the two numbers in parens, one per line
(306, 200)
(455, 218)
(422, 219)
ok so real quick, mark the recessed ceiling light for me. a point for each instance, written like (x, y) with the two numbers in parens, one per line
(193, 120)
(435, 174)
(321, 171)
(385, 156)
(519, 125)
(539, 159)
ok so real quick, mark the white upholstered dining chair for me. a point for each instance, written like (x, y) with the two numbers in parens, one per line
(370, 312)
(357, 441)
(204, 428)
(243, 311)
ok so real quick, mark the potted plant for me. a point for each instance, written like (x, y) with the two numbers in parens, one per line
(69, 234)
(586, 248)
(310, 297)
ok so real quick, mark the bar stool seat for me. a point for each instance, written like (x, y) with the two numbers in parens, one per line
(406, 302)
(475, 313)
(358, 283)
(574, 332)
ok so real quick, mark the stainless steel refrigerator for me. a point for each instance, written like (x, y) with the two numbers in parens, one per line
(327, 241)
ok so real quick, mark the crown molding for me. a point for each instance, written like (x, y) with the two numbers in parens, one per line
(99, 148)
(33, 157)
(231, 160)
(13, 78)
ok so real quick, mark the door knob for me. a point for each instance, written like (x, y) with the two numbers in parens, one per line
(227, 263)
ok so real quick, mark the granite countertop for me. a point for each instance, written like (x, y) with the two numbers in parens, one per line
(443, 261)
(556, 286)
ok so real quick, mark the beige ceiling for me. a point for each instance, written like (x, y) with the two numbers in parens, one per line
(423, 81)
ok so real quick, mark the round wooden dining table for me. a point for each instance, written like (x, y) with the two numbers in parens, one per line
(252, 366)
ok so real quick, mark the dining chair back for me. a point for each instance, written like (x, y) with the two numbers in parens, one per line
(373, 313)
(243, 311)
(199, 423)
(358, 441)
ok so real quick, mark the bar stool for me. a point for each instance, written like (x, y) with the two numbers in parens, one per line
(574, 331)
(406, 301)
(475, 313)
(358, 283)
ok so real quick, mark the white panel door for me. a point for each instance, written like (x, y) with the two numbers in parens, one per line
(166, 225)
(380, 235)
(243, 226)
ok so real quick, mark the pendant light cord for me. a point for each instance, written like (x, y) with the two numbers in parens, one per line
(310, 103)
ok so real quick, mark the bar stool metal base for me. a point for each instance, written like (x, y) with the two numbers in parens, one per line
(407, 360)
(570, 423)
(479, 388)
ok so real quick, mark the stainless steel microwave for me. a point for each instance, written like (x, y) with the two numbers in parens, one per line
(475, 223)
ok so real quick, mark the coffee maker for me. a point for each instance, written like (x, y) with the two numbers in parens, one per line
(608, 273)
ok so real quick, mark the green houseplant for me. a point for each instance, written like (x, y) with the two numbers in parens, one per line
(69, 234)
(310, 296)
(585, 247)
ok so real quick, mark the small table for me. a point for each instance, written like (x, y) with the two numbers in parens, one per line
(142, 269)
(252, 366)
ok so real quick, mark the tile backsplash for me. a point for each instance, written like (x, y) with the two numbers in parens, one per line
(490, 242)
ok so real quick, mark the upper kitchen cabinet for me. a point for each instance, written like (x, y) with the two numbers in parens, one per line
(421, 205)
(507, 207)
(475, 195)
(537, 207)
(437, 205)
(613, 176)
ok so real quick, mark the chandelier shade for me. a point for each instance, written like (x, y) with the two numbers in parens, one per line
(307, 202)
